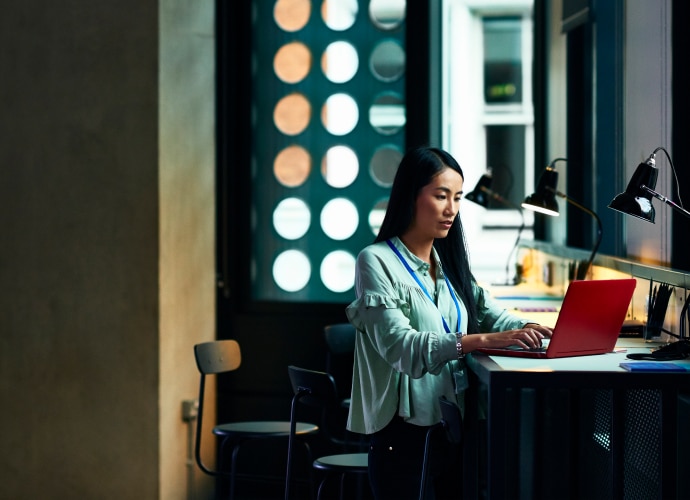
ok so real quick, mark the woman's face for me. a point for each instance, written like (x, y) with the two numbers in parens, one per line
(437, 205)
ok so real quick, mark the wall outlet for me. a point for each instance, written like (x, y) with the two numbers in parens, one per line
(190, 410)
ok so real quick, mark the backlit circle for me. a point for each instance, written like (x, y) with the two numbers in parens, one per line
(339, 15)
(387, 113)
(376, 216)
(339, 166)
(387, 61)
(291, 218)
(384, 164)
(339, 62)
(340, 114)
(292, 15)
(292, 114)
(292, 166)
(291, 270)
(338, 271)
(387, 14)
(339, 218)
(292, 62)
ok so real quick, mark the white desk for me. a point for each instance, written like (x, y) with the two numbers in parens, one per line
(598, 363)
(579, 427)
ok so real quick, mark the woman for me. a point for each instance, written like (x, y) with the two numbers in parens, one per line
(418, 311)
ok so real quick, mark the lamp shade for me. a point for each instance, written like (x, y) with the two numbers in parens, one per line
(480, 193)
(543, 200)
(635, 200)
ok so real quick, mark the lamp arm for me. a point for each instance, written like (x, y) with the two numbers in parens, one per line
(663, 199)
(507, 203)
(515, 245)
(600, 229)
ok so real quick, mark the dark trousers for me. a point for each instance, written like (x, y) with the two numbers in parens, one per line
(396, 456)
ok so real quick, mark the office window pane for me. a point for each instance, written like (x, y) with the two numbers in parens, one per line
(502, 60)
(505, 154)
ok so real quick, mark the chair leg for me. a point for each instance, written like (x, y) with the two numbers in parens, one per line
(342, 486)
(321, 485)
(311, 478)
(233, 470)
(425, 465)
(229, 442)
(310, 461)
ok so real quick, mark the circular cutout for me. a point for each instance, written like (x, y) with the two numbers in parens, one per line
(291, 270)
(339, 15)
(291, 218)
(387, 114)
(292, 165)
(338, 271)
(339, 166)
(292, 15)
(387, 61)
(384, 164)
(339, 219)
(292, 62)
(376, 216)
(340, 114)
(387, 14)
(339, 62)
(292, 114)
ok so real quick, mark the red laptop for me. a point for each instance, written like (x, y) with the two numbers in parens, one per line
(589, 322)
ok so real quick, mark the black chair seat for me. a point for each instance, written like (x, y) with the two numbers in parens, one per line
(343, 462)
(262, 429)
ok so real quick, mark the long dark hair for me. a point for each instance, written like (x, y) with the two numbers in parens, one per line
(417, 168)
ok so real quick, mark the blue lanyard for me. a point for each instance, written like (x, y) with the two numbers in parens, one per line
(426, 292)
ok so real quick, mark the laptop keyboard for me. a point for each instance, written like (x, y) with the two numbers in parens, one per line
(526, 349)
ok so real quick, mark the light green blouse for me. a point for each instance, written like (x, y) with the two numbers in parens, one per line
(404, 359)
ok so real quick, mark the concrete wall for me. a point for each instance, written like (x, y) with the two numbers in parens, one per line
(106, 243)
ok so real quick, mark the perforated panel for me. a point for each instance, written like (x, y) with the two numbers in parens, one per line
(599, 452)
(625, 439)
(642, 462)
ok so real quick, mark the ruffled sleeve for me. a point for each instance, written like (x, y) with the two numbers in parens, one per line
(355, 311)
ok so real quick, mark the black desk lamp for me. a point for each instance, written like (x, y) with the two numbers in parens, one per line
(544, 201)
(481, 195)
(636, 200)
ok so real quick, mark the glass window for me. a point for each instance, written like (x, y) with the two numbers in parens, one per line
(502, 59)
(505, 155)
(489, 122)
